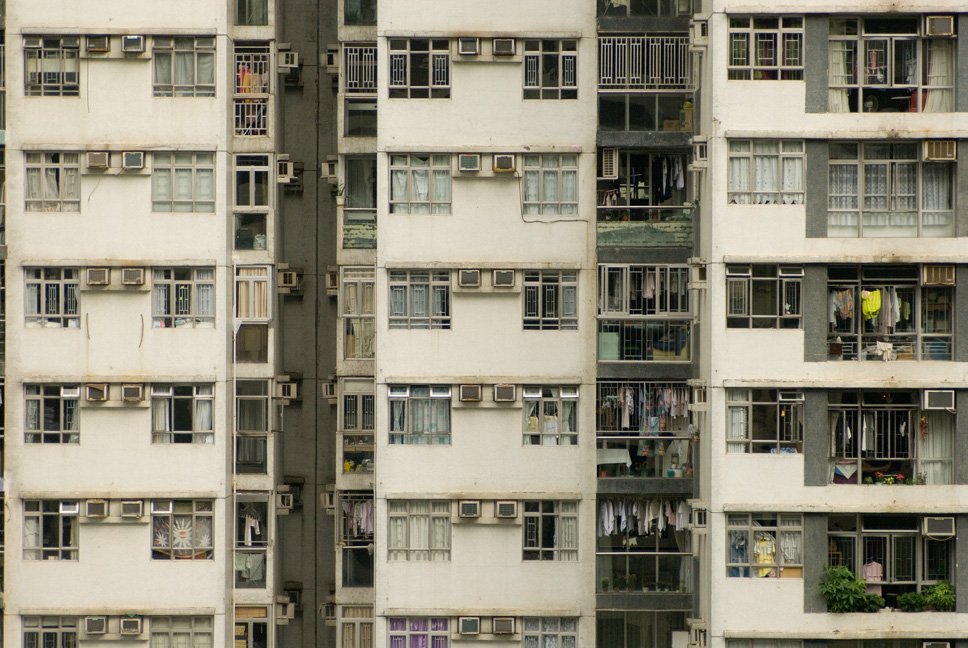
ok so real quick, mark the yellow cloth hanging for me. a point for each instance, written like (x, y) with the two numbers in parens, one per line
(870, 304)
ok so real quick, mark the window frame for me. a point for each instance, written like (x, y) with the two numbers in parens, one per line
(407, 54)
(433, 285)
(437, 168)
(431, 632)
(63, 515)
(561, 632)
(181, 310)
(65, 313)
(55, 631)
(164, 547)
(357, 302)
(541, 542)
(253, 293)
(745, 61)
(408, 515)
(548, 194)
(169, 396)
(550, 300)
(254, 440)
(199, 630)
(254, 8)
(539, 401)
(64, 395)
(402, 412)
(789, 190)
(550, 68)
(63, 168)
(630, 284)
(174, 164)
(171, 48)
(744, 531)
(754, 406)
(741, 296)
(62, 51)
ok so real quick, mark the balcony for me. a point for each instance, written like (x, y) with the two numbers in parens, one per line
(633, 226)
(644, 340)
(251, 103)
(643, 572)
(359, 229)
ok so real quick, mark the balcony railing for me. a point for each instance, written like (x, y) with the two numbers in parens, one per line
(638, 226)
(890, 347)
(251, 117)
(644, 572)
(359, 229)
(644, 340)
(645, 456)
(644, 63)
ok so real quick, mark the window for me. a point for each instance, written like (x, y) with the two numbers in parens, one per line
(550, 415)
(251, 98)
(643, 290)
(556, 632)
(637, 628)
(550, 530)
(251, 231)
(53, 182)
(422, 632)
(356, 526)
(420, 183)
(252, 293)
(359, 211)
(251, 426)
(763, 296)
(419, 414)
(252, 343)
(419, 299)
(359, 63)
(766, 172)
(182, 631)
(885, 437)
(550, 69)
(886, 64)
(183, 297)
(644, 63)
(622, 8)
(359, 12)
(357, 425)
(361, 118)
(888, 312)
(651, 187)
(51, 414)
(184, 66)
(182, 413)
(766, 48)
(358, 303)
(252, 12)
(764, 545)
(52, 297)
(419, 68)
(550, 184)
(356, 626)
(251, 626)
(764, 421)
(51, 66)
(889, 552)
(50, 529)
(182, 529)
(252, 181)
(183, 182)
(49, 631)
(550, 300)
(419, 530)
(881, 189)
(251, 540)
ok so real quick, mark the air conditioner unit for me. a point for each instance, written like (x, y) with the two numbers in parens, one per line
(469, 162)
(469, 508)
(288, 61)
(98, 44)
(506, 509)
(285, 610)
(284, 503)
(938, 399)
(938, 275)
(98, 159)
(132, 276)
(285, 169)
(503, 163)
(332, 283)
(133, 160)
(609, 164)
(330, 169)
(329, 391)
(467, 278)
(96, 392)
(939, 25)
(96, 508)
(133, 44)
(98, 276)
(468, 46)
(699, 517)
(33, 42)
(469, 625)
(698, 33)
(940, 150)
(502, 278)
(287, 279)
(287, 390)
(470, 393)
(132, 509)
(504, 393)
(332, 59)
(503, 47)
(502, 625)
(133, 393)
(95, 625)
(938, 527)
(131, 625)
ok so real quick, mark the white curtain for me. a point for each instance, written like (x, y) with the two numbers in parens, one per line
(937, 448)
(398, 301)
(421, 191)
(397, 528)
(842, 191)
(736, 430)
(738, 171)
(32, 534)
(440, 531)
(567, 531)
(399, 194)
(33, 415)
(531, 192)
(162, 68)
(940, 81)
(206, 68)
(440, 193)
(184, 68)
(161, 419)
(202, 425)
(765, 172)
(792, 180)
(937, 200)
(837, 100)
(569, 192)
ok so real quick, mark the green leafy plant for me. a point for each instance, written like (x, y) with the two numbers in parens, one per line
(606, 582)
(941, 597)
(912, 602)
(620, 582)
(844, 592)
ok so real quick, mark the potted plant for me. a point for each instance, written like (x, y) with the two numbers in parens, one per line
(606, 582)
(941, 597)
(844, 592)
(633, 582)
(912, 602)
(620, 582)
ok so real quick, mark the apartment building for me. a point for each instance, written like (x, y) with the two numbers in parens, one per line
(562, 323)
